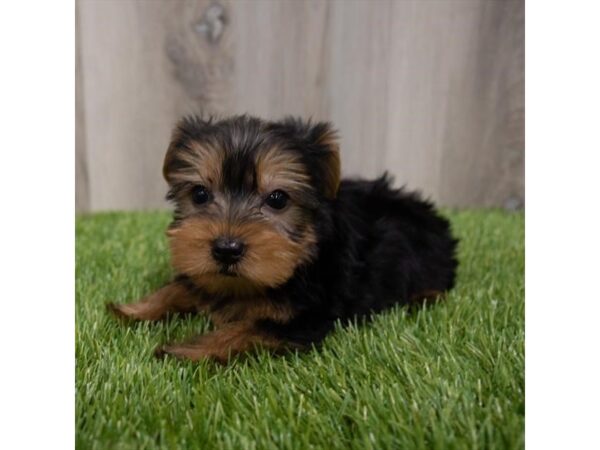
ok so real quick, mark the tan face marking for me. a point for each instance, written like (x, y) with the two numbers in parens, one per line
(269, 261)
(203, 165)
(277, 169)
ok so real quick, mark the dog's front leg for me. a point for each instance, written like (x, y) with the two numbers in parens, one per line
(175, 297)
(228, 341)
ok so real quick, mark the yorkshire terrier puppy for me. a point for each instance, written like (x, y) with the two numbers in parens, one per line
(274, 248)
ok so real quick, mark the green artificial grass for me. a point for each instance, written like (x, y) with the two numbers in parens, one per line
(447, 376)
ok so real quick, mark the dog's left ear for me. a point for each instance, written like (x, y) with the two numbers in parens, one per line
(319, 141)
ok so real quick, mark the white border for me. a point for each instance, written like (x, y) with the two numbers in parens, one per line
(562, 224)
(37, 84)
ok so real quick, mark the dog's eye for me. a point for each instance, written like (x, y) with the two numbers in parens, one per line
(200, 195)
(277, 199)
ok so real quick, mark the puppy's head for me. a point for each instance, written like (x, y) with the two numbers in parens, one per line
(246, 196)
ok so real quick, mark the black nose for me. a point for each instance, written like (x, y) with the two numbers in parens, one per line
(228, 250)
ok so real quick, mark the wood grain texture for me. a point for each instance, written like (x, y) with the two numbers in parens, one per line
(432, 91)
(82, 192)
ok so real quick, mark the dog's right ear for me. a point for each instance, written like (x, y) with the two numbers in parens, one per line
(188, 129)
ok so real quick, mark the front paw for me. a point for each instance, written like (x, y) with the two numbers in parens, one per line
(127, 313)
(188, 352)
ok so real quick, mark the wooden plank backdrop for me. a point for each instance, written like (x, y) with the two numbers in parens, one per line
(432, 91)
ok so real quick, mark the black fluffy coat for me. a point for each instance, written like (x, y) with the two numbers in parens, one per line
(378, 247)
